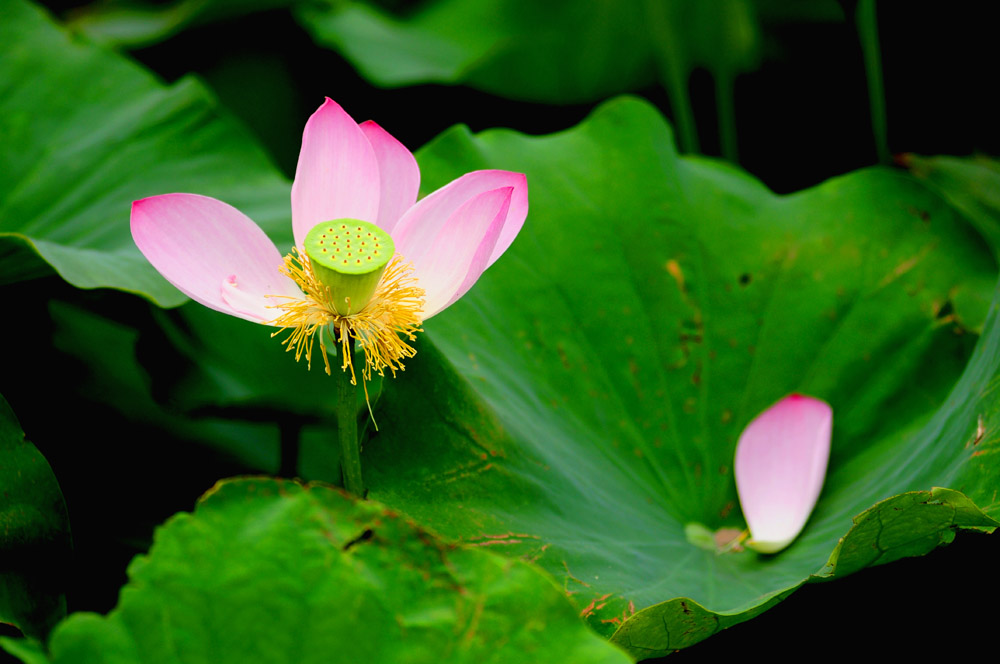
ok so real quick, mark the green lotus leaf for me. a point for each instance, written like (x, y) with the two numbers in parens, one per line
(95, 133)
(581, 405)
(271, 570)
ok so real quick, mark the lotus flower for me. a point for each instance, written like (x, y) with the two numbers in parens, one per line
(348, 174)
(780, 465)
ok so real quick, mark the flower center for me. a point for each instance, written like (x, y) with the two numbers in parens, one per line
(348, 256)
(356, 267)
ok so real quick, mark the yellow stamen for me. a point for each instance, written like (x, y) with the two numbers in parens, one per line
(395, 309)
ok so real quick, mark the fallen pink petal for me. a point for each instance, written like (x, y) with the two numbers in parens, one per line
(780, 466)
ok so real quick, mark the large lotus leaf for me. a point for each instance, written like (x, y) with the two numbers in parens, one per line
(94, 133)
(34, 534)
(269, 570)
(580, 406)
(563, 51)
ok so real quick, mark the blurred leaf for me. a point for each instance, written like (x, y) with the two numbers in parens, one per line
(190, 381)
(565, 51)
(581, 405)
(270, 570)
(28, 651)
(971, 184)
(35, 543)
(210, 376)
(134, 24)
(95, 133)
(217, 374)
(113, 373)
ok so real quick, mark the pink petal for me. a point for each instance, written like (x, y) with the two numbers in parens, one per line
(399, 175)
(422, 223)
(480, 260)
(213, 253)
(780, 465)
(337, 175)
(446, 266)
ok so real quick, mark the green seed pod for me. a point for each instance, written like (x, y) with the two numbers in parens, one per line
(349, 256)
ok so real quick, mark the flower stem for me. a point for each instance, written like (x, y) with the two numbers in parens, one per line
(674, 69)
(868, 32)
(724, 84)
(347, 432)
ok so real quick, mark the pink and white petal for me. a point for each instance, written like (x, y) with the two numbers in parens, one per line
(442, 265)
(337, 176)
(399, 175)
(213, 253)
(422, 222)
(480, 260)
(781, 460)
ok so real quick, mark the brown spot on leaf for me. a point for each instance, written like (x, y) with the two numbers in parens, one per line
(561, 350)
(674, 268)
(924, 215)
(907, 265)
